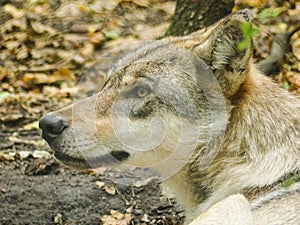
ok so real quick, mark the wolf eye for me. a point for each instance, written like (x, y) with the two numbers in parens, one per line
(142, 92)
(137, 92)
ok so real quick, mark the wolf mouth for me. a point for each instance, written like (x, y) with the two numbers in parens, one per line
(115, 157)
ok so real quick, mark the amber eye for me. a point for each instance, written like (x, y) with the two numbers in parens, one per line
(142, 92)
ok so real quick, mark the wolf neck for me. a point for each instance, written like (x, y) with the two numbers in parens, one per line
(260, 147)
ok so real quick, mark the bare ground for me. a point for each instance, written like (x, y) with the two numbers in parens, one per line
(46, 48)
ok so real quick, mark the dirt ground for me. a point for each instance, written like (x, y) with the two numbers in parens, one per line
(53, 52)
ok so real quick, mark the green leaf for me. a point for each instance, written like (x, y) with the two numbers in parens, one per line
(269, 13)
(289, 182)
(111, 35)
(244, 44)
(285, 85)
(248, 30)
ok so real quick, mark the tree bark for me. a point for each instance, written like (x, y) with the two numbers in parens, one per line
(192, 15)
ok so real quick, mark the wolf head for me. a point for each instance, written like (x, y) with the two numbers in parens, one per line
(161, 105)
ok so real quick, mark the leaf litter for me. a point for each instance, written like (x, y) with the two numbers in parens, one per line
(46, 48)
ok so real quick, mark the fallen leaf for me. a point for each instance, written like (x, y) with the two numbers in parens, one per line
(252, 3)
(116, 218)
(140, 183)
(14, 11)
(4, 95)
(142, 3)
(96, 38)
(41, 154)
(22, 53)
(32, 126)
(110, 190)
(145, 218)
(83, 8)
(42, 167)
(100, 184)
(111, 35)
(4, 73)
(4, 156)
(42, 28)
(62, 73)
(36, 78)
(24, 154)
(58, 219)
(11, 45)
(296, 48)
(168, 7)
(68, 9)
(88, 171)
(116, 214)
(86, 51)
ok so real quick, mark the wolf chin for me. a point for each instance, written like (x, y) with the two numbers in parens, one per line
(196, 109)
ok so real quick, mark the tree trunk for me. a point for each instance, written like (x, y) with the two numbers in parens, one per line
(192, 15)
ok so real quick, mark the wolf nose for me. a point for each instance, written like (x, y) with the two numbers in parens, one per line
(52, 126)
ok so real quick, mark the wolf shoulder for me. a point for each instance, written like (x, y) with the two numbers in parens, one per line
(277, 207)
(281, 206)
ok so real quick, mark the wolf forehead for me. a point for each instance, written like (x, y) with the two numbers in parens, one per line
(159, 52)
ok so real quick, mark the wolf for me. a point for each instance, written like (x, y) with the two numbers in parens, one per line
(224, 137)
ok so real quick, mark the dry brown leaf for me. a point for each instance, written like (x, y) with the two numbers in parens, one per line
(88, 171)
(12, 117)
(142, 3)
(11, 25)
(50, 90)
(252, 3)
(21, 36)
(87, 50)
(168, 7)
(36, 78)
(22, 52)
(110, 190)
(145, 218)
(3, 73)
(96, 38)
(38, 154)
(140, 183)
(78, 59)
(116, 214)
(108, 5)
(100, 184)
(298, 66)
(68, 9)
(14, 11)
(11, 45)
(62, 73)
(145, 32)
(26, 141)
(24, 154)
(42, 28)
(296, 48)
(4, 156)
(32, 126)
(117, 218)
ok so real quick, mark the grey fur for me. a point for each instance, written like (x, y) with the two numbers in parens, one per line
(199, 111)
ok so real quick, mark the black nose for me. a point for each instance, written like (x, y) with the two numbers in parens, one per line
(52, 125)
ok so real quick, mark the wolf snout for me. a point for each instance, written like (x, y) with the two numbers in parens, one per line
(52, 125)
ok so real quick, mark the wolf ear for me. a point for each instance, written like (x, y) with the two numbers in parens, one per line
(220, 51)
